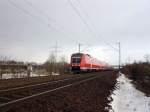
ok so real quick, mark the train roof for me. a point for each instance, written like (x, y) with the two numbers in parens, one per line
(80, 54)
(77, 54)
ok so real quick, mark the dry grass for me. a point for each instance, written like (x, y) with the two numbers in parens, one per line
(140, 74)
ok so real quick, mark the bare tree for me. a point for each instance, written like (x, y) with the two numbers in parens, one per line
(60, 66)
(63, 65)
(9, 65)
(50, 64)
(3, 60)
(147, 58)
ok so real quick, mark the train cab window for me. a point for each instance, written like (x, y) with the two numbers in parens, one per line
(76, 60)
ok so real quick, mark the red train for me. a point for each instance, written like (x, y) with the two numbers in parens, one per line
(84, 62)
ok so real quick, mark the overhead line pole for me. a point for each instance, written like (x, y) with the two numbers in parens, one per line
(119, 55)
(56, 50)
(79, 47)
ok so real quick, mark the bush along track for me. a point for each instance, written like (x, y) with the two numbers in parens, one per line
(139, 73)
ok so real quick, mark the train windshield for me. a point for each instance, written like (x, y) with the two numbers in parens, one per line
(76, 60)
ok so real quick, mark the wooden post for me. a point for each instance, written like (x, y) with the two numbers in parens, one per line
(29, 69)
(1, 74)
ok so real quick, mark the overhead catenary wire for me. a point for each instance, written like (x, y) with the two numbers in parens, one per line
(119, 44)
(50, 26)
(86, 14)
(32, 15)
(41, 12)
(81, 17)
(119, 48)
(35, 17)
(86, 23)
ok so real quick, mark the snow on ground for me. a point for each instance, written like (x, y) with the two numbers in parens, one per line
(22, 75)
(126, 98)
(10, 75)
(19, 75)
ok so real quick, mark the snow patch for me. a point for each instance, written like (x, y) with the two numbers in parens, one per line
(126, 98)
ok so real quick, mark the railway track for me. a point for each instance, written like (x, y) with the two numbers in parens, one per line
(15, 96)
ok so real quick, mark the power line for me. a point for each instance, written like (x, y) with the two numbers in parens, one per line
(86, 14)
(32, 15)
(44, 14)
(85, 22)
(39, 11)
(78, 13)
(56, 50)
(37, 18)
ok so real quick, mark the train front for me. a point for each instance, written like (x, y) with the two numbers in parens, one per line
(76, 62)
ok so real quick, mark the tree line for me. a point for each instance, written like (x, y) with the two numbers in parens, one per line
(50, 67)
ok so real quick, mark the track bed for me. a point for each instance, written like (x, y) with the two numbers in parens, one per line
(19, 82)
(71, 95)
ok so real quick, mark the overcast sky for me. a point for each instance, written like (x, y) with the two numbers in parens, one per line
(30, 28)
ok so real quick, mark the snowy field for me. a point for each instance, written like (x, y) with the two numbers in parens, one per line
(126, 98)
(19, 75)
(22, 75)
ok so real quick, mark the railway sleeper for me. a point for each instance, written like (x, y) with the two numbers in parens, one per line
(4, 99)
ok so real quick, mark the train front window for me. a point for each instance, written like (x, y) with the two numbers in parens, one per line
(76, 60)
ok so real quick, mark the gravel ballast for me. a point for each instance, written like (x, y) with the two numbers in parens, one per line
(91, 96)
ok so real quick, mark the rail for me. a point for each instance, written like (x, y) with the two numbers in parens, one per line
(36, 93)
